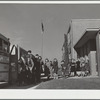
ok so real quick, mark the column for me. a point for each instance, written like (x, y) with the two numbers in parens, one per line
(92, 62)
(98, 51)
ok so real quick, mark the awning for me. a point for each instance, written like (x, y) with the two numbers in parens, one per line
(90, 33)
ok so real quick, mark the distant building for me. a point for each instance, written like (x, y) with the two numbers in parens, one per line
(84, 40)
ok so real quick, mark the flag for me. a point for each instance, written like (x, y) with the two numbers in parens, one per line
(69, 28)
(42, 26)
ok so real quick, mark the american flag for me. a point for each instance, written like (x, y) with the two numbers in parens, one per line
(42, 26)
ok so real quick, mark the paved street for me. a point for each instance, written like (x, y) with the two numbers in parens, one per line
(63, 83)
(71, 83)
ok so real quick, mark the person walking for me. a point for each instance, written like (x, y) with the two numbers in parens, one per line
(55, 67)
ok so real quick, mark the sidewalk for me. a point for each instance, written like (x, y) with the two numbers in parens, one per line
(76, 77)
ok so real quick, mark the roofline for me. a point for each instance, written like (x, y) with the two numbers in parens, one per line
(4, 37)
(83, 19)
(94, 29)
(88, 29)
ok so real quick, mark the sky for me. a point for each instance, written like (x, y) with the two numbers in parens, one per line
(22, 24)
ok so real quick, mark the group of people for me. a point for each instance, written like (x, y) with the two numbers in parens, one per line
(30, 68)
(51, 68)
(81, 65)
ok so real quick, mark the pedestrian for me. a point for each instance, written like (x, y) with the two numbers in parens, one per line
(87, 68)
(78, 64)
(41, 65)
(69, 69)
(73, 67)
(55, 67)
(47, 68)
(33, 70)
(22, 74)
(37, 68)
(30, 61)
(63, 68)
(30, 66)
(82, 65)
(51, 69)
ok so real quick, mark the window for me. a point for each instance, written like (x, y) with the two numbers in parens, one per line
(5, 46)
(0, 44)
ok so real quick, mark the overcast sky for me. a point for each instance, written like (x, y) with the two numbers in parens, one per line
(22, 24)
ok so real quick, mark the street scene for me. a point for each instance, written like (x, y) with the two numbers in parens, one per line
(49, 46)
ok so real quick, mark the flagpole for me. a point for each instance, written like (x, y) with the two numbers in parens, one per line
(42, 32)
(42, 46)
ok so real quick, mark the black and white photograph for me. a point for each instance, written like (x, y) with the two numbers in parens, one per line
(50, 46)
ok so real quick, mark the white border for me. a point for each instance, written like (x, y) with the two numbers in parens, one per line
(49, 94)
(50, 2)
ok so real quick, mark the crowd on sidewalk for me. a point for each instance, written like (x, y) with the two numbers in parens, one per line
(31, 66)
(74, 66)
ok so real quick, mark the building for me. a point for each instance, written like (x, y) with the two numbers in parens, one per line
(84, 40)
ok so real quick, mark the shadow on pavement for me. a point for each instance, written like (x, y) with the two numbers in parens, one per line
(15, 86)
